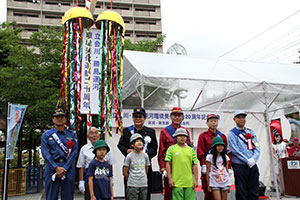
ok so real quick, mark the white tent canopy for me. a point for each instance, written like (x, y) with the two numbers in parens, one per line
(264, 90)
(209, 84)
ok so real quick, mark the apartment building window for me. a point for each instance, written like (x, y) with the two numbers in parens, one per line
(145, 9)
(127, 34)
(19, 14)
(30, 1)
(115, 7)
(146, 22)
(31, 29)
(53, 17)
(145, 36)
(58, 3)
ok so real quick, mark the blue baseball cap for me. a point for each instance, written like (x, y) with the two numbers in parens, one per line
(240, 112)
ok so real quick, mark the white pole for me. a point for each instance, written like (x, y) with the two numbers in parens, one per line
(142, 95)
(4, 193)
(271, 150)
(267, 125)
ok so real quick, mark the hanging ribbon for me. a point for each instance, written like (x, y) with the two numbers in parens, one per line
(72, 98)
(101, 77)
(249, 137)
(89, 121)
(79, 71)
(62, 82)
(71, 72)
(111, 71)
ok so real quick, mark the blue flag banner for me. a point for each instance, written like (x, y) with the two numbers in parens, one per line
(14, 121)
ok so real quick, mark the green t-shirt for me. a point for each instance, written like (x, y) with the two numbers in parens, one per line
(182, 164)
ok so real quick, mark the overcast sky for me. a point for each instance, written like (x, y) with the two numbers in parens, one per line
(208, 29)
(212, 28)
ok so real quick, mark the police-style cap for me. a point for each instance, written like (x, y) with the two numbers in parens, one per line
(139, 110)
(210, 116)
(99, 144)
(59, 112)
(180, 131)
(240, 112)
(136, 136)
(176, 110)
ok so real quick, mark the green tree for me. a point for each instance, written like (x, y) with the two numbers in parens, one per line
(31, 74)
(146, 45)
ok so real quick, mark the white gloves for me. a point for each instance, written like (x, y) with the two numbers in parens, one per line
(203, 169)
(251, 162)
(165, 174)
(81, 186)
(54, 177)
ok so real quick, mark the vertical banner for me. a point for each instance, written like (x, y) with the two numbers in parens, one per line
(15, 117)
(95, 66)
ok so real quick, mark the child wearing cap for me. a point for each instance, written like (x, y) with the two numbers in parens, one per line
(100, 174)
(181, 164)
(135, 168)
(294, 151)
(217, 170)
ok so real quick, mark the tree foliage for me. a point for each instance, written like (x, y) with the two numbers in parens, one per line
(30, 72)
(146, 45)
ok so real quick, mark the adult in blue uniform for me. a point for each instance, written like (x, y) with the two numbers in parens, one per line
(59, 149)
(245, 151)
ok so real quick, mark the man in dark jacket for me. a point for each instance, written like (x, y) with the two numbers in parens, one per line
(150, 145)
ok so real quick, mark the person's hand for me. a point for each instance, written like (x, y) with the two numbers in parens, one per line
(129, 150)
(93, 198)
(203, 169)
(111, 198)
(60, 171)
(81, 186)
(195, 184)
(165, 174)
(209, 189)
(171, 183)
(251, 162)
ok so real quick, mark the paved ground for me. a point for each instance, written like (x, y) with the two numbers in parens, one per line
(79, 196)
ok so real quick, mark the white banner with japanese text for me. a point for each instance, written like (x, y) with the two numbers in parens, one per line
(94, 71)
(160, 119)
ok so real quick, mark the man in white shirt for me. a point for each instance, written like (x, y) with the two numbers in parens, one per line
(86, 155)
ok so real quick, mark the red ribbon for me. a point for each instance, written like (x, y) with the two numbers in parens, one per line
(70, 145)
(249, 140)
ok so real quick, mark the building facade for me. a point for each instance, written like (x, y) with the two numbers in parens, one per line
(142, 17)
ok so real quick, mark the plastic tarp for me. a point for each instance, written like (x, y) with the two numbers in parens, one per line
(209, 84)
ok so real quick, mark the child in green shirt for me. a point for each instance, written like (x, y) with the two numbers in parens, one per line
(181, 164)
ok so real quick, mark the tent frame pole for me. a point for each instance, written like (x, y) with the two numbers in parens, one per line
(228, 97)
(267, 125)
(142, 95)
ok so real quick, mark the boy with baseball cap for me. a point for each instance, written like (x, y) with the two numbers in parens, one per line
(135, 168)
(181, 164)
(166, 139)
